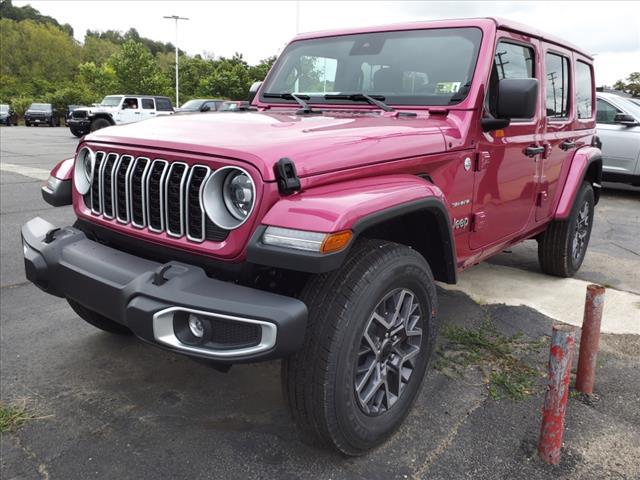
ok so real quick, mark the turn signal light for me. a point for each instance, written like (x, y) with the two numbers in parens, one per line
(336, 241)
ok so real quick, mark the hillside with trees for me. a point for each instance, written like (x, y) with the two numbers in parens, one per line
(41, 61)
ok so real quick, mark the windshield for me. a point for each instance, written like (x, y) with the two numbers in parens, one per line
(192, 105)
(631, 106)
(4, 108)
(417, 67)
(40, 107)
(111, 101)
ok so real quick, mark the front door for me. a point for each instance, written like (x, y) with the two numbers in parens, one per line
(507, 162)
(130, 110)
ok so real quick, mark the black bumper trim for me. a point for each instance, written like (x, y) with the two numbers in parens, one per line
(120, 286)
(57, 192)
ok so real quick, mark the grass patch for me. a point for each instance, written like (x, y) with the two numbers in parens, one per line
(13, 416)
(500, 359)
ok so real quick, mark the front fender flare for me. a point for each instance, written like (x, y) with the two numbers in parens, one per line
(351, 205)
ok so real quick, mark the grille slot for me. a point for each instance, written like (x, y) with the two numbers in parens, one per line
(96, 184)
(108, 167)
(122, 188)
(161, 196)
(195, 216)
(174, 194)
(155, 195)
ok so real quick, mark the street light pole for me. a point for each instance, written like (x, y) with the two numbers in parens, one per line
(176, 18)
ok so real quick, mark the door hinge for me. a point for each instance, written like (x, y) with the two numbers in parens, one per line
(478, 221)
(483, 159)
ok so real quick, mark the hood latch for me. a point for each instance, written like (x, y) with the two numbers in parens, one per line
(286, 176)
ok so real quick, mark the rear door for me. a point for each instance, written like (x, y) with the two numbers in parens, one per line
(559, 137)
(506, 178)
(148, 107)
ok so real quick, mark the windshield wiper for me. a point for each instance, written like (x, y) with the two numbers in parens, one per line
(377, 100)
(293, 96)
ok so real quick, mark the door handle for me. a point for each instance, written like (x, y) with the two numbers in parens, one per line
(567, 145)
(533, 150)
(152, 113)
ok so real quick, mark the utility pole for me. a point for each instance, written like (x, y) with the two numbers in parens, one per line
(176, 18)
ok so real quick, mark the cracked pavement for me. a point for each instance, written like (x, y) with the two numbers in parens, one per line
(114, 407)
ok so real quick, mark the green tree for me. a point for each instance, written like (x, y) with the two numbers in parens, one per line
(9, 11)
(633, 84)
(137, 70)
(99, 80)
(97, 50)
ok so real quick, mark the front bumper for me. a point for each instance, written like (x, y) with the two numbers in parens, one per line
(79, 124)
(29, 119)
(149, 297)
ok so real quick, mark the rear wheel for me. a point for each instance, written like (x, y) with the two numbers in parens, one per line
(99, 123)
(371, 331)
(562, 247)
(97, 320)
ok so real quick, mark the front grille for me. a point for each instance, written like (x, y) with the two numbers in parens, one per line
(157, 195)
(79, 114)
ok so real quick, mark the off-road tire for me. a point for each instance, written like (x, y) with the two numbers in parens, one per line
(97, 320)
(319, 380)
(99, 123)
(75, 132)
(556, 244)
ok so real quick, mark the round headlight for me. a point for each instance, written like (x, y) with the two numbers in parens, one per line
(83, 170)
(228, 197)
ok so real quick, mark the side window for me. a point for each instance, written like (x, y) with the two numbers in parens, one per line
(209, 107)
(147, 104)
(511, 60)
(584, 90)
(130, 103)
(557, 86)
(605, 112)
(163, 105)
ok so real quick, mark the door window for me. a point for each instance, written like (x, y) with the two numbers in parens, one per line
(147, 104)
(130, 103)
(164, 105)
(511, 60)
(584, 90)
(557, 86)
(605, 112)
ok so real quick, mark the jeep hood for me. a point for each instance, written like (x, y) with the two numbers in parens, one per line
(316, 143)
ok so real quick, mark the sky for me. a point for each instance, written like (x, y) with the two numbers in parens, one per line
(610, 30)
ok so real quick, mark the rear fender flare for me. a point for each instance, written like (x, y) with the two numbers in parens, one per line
(585, 165)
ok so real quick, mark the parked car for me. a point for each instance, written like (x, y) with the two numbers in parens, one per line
(200, 105)
(118, 110)
(7, 116)
(41, 114)
(233, 106)
(618, 122)
(67, 112)
(313, 229)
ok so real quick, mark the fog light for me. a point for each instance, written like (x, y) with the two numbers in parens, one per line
(195, 326)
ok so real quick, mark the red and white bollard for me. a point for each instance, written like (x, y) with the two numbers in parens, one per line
(555, 400)
(590, 339)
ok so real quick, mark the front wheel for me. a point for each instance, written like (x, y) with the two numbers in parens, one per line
(76, 132)
(562, 247)
(371, 330)
(99, 123)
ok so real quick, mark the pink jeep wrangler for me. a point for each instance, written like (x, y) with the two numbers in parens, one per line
(312, 225)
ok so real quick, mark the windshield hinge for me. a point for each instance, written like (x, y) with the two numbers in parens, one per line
(286, 176)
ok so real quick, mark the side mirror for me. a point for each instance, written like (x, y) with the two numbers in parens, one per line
(253, 90)
(516, 98)
(625, 119)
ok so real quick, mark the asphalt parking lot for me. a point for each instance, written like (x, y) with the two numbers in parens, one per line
(112, 407)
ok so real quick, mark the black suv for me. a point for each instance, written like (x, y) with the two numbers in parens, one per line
(7, 116)
(200, 105)
(41, 114)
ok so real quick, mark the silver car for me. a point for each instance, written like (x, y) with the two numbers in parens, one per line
(618, 123)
